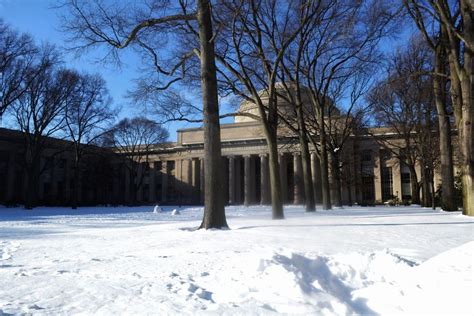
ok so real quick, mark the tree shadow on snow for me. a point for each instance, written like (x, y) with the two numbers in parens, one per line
(356, 225)
(314, 275)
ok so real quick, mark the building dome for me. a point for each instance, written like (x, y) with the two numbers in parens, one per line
(284, 106)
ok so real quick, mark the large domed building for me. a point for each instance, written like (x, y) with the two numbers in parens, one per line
(174, 172)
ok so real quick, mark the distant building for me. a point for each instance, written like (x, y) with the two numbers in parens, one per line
(174, 174)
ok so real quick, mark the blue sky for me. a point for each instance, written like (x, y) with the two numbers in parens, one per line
(38, 18)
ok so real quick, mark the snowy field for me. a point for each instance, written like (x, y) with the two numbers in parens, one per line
(109, 261)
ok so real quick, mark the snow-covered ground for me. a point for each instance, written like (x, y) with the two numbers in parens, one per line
(385, 260)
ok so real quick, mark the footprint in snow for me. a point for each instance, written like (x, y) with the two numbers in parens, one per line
(31, 308)
(7, 248)
(96, 259)
(59, 272)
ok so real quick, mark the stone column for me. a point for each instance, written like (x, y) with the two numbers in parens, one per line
(238, 181)
(164, 181)
(283, 178)
(152, 182)
(316, 175)
(264, 180)
(397, 178)
(298, 189)
(196, 180)
(378, 177)
(178, 176)
(231, 180)
(247, 181)
(201, 180)
(189, 180)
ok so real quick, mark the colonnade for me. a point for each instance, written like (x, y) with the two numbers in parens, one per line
(247, 179)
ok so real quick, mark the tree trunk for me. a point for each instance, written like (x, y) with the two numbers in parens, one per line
(214, 210)
(467, 148)
(275, 180)
(31, 185)
(467, 86)
(326, 193)
(425, 187)
(448, 202)
(75, 193)
(433, 201)
(310, 204)
(336, 175)
(415, 188)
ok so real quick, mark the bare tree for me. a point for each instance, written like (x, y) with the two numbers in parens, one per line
(147, 27)
(340, 126)
(455, 23)
(17, 53)
(290, 77)
(38, 113)
(403, 101)
(250, 53)
(344, 37)
(437, 41)
(133, 140)
(87, 115)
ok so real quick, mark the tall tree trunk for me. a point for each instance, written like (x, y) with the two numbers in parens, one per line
(432, 187)
(426, 187)
(415, 188)
(336, 174)
(214, 210)
(310, 204)
(274, 169)
(467, 130)
(326, 193)
(448, 202)
(467, 147)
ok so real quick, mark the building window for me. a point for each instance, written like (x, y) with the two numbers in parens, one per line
(387, 183)
(406, 183)
(157, 165)
(385, 155)
(368, 188)
(366, 156)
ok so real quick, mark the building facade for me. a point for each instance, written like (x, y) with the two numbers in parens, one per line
(174, 172)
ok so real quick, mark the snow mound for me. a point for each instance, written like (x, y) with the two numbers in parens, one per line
(175, 212)
(157, 209)
(442, 285)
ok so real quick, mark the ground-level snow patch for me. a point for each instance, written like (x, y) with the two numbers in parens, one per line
(7, 248)
(133, 261)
